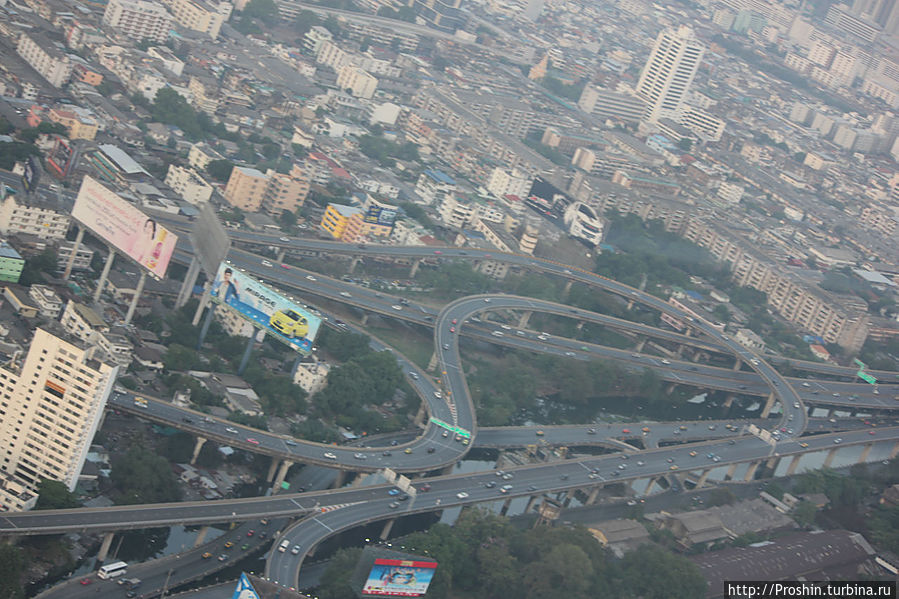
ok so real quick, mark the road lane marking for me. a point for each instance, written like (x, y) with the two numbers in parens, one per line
(323, 524)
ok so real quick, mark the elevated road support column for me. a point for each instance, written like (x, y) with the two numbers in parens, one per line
(594, 493)
(505, 509)
(865, 452)
(282, 474)
(830, 456)
(750, 474)
(738, 364)
(272, 469)
(729, 475)
(432, 364)
(104, 546)
(359, 479)
(703, 477)
(567, 289)
(895, 450)
(281, 253)
(339, 480)
(729, 400)
(197, 447)
(246, 353)
(768, 405)
(136, 298)
(415, 266)
(525, 318)
(355, 262)
(388, 526)
(531, 501)
(201, 536)
(794, 464)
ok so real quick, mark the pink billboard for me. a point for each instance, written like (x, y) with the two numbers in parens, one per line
(124, 227)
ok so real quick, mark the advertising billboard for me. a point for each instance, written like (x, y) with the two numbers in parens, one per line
(265, 308)
(399, 578)
(379, 215)
(124, 227)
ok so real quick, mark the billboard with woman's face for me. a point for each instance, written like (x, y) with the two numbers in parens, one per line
(124, 227)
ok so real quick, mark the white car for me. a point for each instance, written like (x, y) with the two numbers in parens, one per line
(267, 263)
(497, 333)
(438, 394)
(359, 456)
(345, 294)
(285, 239)
(295, 550)
(666, 361)
(310, 278)
(396, 307)
(462, 495)
(330, 455)
(233, 431)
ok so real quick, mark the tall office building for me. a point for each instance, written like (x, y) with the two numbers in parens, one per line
(50, 408)
(668, 73)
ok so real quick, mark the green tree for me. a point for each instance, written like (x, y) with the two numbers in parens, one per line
(179, 448)
(53, 495)
(178, 357)
(805, 513)
(565, 571)
(343, 345)
(673, 576)
(335, 581)
(220, 170)
(264, 10)
(16, 151)
(12, 565)
(36, 266)
(141, 476)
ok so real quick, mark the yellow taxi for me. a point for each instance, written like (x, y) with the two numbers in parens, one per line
(289, 323)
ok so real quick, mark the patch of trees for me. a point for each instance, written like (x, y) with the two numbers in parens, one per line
(12, 152)
(141, 476)
(453, 278)
(483, 557)
(12, 564)
(36, 266)
(571, 91)
(54, 495)
(387, 152)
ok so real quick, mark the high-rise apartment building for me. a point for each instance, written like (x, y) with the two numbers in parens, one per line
(44, 57)
(50, 409)
(668, 73)
(245, 188)
(138, 19)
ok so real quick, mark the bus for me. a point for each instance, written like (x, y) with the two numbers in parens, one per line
(112, 570)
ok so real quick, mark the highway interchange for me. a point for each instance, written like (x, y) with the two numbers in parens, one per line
(367, 504)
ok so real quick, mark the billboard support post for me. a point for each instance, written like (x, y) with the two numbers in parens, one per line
(204, 301)
(205, 327)
(136, 298)
(246, 353)
(190, 279)
(102, 282)
(71, 261)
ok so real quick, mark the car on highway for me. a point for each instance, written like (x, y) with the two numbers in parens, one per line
(664, 361)
(570, 354)
(345, 294)
(267, 263)
(505, 489)
(591, 431)
(86, 581)
(223, 557)
(207, 555)
(438, 394)
(403, 497)
(837, 441)
(140, 402)
(438, 252)
(626, 431)
(424, 488)
(289, 323)
(330, 455)
(803, 444)
(540, 432)
(490, 484)
(413, 375)
(231, 430)
(251, 532)
(295, 550)
(290, 443)
(446, 346)
(692, 454)
(229, 544)
(252, 441)
(641, 463)
(452, 329)
(431, 449)
(245, 546)
(386, 453)
(311, 278)
(408, 450)
(672, 467)
(359, 456)
(462, 495)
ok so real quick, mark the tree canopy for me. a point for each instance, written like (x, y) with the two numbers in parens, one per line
(53, 495)
(141, 476)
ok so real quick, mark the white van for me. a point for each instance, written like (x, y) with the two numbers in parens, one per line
(284, 545)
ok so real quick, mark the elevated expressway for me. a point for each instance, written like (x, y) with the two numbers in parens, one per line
(333, 511)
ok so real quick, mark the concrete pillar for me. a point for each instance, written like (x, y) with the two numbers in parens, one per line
(136, 298)
(830, 413)
(71, 261)
(865, 452)
(204, 301)
(388, 526)
(421, 416)
(340, 479)
(568, 496)
(750, 474)
(359, 478)
(830, 456)
(702, 478)
(630, 305)
(525, 318)
(594, 493)
(205, 328)
(640, 345)
(104, 547)
(729, 475)
(282, 474)
(103, 275)
(650, 485)
(772, 463)
(505, 509)
(738, 364)
(729, 400)
(432, 364)
(670, 388)
(531, 501)
(447, 470)
(415, 267)
(768, 405)
(201, 536)
(895, 450)
(246, 353)
(354, 264)
(580, 325)
(794, 464)
(567, 288)
(680, 350)
(190, 279)
(197, 447)
(272, 469)
(365, 319)
(281, 253)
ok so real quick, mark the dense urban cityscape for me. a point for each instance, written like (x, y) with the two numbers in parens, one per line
(376, 298)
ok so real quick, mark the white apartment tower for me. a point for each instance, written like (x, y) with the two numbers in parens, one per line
(50, 409)
(138, 19)
(668, 73)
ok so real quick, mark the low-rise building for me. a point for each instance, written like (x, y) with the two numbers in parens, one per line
(620, 536)
(82, 321)
(48, 302)
(83, 257)
(432, 185)
(311, 376)
(356, 81)
(11, 263)
(188, 184)
(79, 124)
(749, 339)
(19, 301)
(33, 218)
(44, 57)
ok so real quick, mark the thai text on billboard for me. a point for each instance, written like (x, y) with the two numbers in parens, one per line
(399, 578)
(379, 215)
(124, 227)
(265, 308)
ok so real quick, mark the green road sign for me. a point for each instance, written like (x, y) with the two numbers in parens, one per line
(285, 486)
(861, 364)
(866, 377)
(455, 429)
